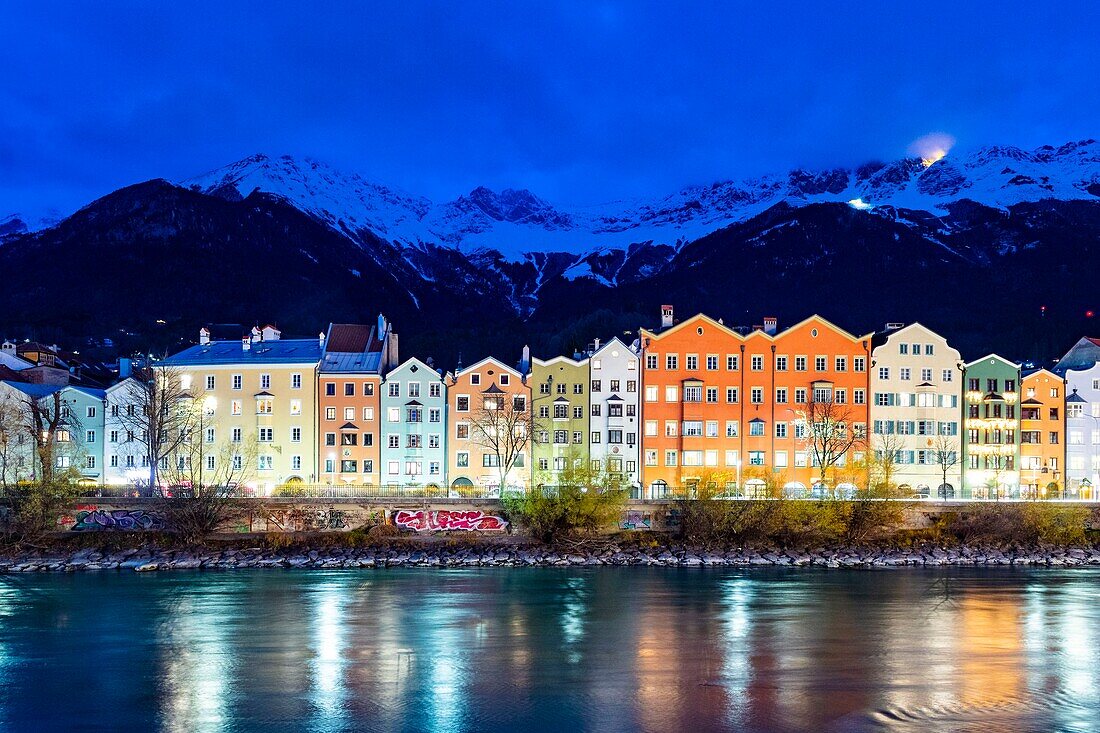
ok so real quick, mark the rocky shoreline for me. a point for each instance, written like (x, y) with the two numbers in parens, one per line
(150, 559)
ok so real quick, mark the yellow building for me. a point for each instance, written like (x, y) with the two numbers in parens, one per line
(259, 406)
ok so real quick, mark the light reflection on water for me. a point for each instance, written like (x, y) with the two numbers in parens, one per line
(607, 649)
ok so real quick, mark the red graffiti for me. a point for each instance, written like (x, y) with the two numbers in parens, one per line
(434, 521)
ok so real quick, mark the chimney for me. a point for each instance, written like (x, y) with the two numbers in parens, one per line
(204, 336)
(525, 360)
(257, 334)
(381, 326)
(770, 323)
(595, 345)
(321, 339)
(8, 347)
(125, 368)
(666, 316)
(246, 344)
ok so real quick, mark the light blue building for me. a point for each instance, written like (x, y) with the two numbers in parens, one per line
(414, 426)
(79, 436)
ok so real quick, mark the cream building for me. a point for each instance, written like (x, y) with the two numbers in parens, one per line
(916, 387)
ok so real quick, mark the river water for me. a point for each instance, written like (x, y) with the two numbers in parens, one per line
(540, 649)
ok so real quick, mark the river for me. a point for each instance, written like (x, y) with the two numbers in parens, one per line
(541, 649)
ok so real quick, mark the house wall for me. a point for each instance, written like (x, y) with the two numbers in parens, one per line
(354, 399)
(414, 427)
(1083, 432)
(991, 444)
(612, 363)
(913, 419)
(466, 454)
(1042, 440)
(558, 386)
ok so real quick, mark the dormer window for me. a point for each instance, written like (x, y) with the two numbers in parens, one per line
(475, 378)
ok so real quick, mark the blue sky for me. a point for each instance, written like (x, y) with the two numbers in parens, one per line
(581, 102)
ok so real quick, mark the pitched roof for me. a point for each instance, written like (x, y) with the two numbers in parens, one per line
(36, 391)
(352, 338)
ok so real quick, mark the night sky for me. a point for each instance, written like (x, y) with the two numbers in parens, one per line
(580, 102)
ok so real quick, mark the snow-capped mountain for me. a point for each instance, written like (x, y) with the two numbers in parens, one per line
(517, 223)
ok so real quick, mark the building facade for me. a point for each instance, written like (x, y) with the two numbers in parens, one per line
(732, 412)
(1082, 430)
(916, 390)
(560, 434)
(483, 398)
(258, 402)
(349, 378)
(414, 427)
(614, 412)
(76, 446)
(991, 415)
(1042, 440)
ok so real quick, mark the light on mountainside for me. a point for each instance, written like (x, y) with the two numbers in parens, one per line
(860, 204)
(931, 147)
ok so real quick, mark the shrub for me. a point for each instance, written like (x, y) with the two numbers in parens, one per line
(1020, 523)
(551, 514)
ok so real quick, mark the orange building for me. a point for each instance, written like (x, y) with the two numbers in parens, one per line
(481, 397)
(354, 359)
(721, 408)
(1042, 447)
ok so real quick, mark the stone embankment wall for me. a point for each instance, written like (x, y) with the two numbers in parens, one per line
(427, 517)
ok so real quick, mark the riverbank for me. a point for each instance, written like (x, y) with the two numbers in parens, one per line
(144, 559)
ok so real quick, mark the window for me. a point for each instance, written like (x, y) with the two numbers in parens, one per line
(330, 413)
(672, 394)
(209, 437)
(89, 436)
(780, 363)
(114, 436)
(414, 389)
(597, 385)
(842, 363)
(757, 395)
(904, 374)
(671, 427)
(295, 407)
(295, 435)
(820, 363)
(615, 437)
(781, 395)
(265, 382)
(615, 409)
(267, 463)
(756, 427)
(859, 363)
(732, 362)
(435, 415)
(414, 414)
(462, 431)
(712, 395)
(295, 463)
(462, 403)
(859, 396)
(693, 429)
(349, 413)
(884, 373)
(731, 428)
(756, 363)
(91, 412)
(393, 441)
(504, 380)
(731, 395)
(651, 361)
(413, 440)
(394, 389)
(800, 363)
(296, 383)
(631, 385)
(800, 395)
(781, 430)
(475, 379)
(434, 390)
(235, 435)
(651, 428)
(756, 458)
(237, 381)
(266, 434)
(671, 361)
(263, 406)
(712, 362)
(691, 362)
(651, 393)
(462, 460)
(670, 458)
(693, 394)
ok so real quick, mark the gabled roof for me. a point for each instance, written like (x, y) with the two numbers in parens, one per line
(993, 356)
(615, 341)
(1074, 397)
(691, 321)
(90, 391)
(554, 360)
(420, 367)
(488, 360)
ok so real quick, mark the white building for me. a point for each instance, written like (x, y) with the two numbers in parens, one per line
(1083, 431)
(614, 409)
(916, 386)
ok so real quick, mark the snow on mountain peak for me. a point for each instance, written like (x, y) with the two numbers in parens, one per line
(515, 222)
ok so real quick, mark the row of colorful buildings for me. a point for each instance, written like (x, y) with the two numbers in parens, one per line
(688, 404)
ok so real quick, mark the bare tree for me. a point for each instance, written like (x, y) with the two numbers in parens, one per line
(945, 451)
(886, 448)
(11, 440)
(501, 427)
(158, 415)
(828, 434)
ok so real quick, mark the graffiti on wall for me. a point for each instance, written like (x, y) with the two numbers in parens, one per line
(424, 520)
(93, 519)
(636, 520)
(307, 520)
